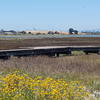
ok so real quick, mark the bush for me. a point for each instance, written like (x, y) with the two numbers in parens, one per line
(20, 86)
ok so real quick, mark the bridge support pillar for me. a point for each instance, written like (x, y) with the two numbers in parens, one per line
(57, 55)
(69, 52)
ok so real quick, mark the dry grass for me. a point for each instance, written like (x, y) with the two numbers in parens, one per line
(81, 64)
(85, 67)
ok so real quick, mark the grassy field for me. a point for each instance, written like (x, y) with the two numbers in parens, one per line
(76, 68)
(70, 67)
(82, 68)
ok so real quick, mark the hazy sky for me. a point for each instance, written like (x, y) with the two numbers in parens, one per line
(49, 14)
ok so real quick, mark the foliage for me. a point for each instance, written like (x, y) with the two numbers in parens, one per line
(20, 86)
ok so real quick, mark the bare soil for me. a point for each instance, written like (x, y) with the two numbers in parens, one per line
(15, 44)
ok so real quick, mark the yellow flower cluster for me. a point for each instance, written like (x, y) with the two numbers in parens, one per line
(20, 86)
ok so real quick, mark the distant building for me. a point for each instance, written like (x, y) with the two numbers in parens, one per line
(11, 32)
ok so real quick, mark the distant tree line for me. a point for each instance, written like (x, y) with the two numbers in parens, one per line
(51, 32)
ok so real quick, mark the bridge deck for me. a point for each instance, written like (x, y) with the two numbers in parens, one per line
(48, 50)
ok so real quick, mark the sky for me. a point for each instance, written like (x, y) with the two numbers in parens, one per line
(49, 14)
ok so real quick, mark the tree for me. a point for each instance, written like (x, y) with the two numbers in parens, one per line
(71, 30)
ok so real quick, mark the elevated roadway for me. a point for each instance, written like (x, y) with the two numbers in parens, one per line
(47, 50)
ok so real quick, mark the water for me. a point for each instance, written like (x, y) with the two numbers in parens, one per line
(42, 36)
